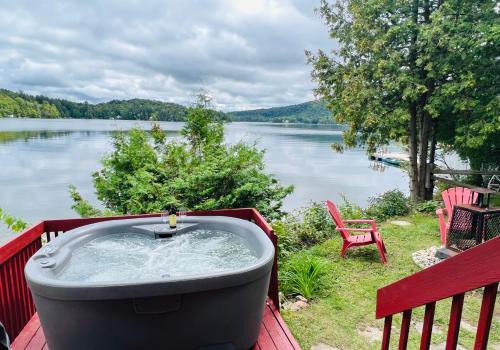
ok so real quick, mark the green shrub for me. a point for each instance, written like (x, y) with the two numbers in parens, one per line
(304, 276)
(288, 241)
(350, 210)
(150, 172)
(387, 205)
(14, 224)
(303, 228)
(428, 206)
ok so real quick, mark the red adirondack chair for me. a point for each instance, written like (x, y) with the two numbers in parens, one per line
(451, 197)
(370, 236)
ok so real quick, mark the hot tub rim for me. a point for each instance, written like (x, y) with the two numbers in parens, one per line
(50, 287)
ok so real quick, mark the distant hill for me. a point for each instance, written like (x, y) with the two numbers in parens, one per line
(308, 112)
(21, 105)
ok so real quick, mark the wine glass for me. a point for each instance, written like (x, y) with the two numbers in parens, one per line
(164, 216)
(182, 213)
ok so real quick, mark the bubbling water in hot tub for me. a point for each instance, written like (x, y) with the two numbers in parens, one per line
(134, 256)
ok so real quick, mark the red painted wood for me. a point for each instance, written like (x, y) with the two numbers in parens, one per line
(20, 242)
(485, 316)
(454, 324)
(405, 330)
(265, 341)
(451, 197)
(386, 336)
(425, 341)
(275, 331)
(28, 332)
(283, 325)
(38, 341)
(464, 272)
(372, 236)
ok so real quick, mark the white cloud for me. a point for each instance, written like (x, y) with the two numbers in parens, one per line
(249, 54)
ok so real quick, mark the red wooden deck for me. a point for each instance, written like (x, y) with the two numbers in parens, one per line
(274, 334)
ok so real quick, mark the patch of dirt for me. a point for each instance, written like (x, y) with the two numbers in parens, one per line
(468, 327)
(401, 223)
(372, 334)
(443, 347)
(420, 325)
(322, 346)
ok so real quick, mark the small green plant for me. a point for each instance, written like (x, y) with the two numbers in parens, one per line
(288, 241)
(428, 206)
(304, 276)
(387, 205)
(14, 224)
(303, 228)
(350, 210)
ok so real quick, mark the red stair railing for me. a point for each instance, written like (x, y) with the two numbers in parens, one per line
(16, 304)
(475, 268)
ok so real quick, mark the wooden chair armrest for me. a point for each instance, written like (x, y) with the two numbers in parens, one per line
(368, 230)
(360, 220)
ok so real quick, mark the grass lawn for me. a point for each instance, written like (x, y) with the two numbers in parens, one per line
(347, 305)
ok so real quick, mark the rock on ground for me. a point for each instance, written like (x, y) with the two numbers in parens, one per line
(426, 257)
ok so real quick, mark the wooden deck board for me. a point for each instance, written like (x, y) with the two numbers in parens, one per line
(274, 334)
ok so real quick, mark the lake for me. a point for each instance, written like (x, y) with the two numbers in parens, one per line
(40, 158)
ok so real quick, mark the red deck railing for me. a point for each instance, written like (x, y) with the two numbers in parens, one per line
(16, 304)
(473, 269)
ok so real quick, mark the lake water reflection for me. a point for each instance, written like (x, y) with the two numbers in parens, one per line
(40, 158)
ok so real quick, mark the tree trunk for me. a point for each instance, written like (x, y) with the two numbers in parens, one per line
(413, 145)
(413, 135)
(429, 190)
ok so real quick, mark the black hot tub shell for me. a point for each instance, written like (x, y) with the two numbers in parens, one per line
(214, 311)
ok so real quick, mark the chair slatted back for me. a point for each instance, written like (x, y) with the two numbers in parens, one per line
(456, 196)
(337, 218)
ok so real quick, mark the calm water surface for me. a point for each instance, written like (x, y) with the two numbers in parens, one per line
(40, 158)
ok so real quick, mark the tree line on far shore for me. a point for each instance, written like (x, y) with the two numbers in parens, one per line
(22, 105)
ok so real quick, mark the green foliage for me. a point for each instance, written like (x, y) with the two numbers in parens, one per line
(428, 207)
(350, 210)
(416, 72)
(304, 275)
(19, 104)
(309, 112)
(148, 172)
(303, 228)
(14, 224)
(387, 205)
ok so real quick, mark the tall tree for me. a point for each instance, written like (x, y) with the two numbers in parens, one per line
(421, 72)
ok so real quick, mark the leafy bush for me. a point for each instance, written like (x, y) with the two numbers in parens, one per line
(288, 241)
(146, 172)
(14, 224)
(303, 228)
(428, 207)
(304, 276)
(350, 210)
(387, 205)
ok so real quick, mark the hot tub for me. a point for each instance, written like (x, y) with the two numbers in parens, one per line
(137, 284)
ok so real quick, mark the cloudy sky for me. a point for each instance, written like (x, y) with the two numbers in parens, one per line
(247, 53)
